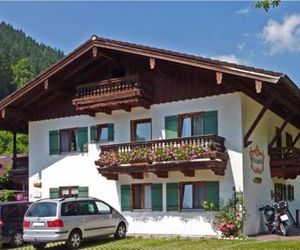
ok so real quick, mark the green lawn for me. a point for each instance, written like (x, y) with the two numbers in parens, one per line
(177, 243)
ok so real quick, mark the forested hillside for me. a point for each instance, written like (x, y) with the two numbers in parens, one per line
(21, 58)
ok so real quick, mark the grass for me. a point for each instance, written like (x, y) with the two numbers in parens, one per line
(139, 243)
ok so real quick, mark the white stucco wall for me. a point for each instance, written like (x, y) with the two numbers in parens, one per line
(79, 169)
(255, 194)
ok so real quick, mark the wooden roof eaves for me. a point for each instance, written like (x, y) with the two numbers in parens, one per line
(185, 59)
(47, 73)
(139, 50)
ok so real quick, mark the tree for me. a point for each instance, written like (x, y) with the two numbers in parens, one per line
(22, 72)
(267, 4)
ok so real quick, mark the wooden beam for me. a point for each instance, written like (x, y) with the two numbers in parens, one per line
(136, 175)
(295, 140)
(80, 67)
(188, 172)
(256, 121)
(161, 174)
(14, 113)
(55, 88)
(286, 121)
(125, 107)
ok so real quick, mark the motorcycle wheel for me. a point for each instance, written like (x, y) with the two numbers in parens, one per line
(284, 228)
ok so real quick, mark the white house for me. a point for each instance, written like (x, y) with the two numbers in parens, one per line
(155, 133)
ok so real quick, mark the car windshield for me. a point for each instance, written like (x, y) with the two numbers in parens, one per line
(42, 209)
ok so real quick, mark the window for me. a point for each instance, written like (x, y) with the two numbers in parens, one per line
(11, 213)
(68, 192)
(141, 130)
(69, 208)
(102, 133)
(73, 191)
(103, 208)
(283, 192)
(68, 140)
(192, 195)
(87, 208)
(42, 209)
(289, 139)
(191, 124)
(141, 194)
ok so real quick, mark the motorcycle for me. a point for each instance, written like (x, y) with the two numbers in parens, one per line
(276, 216)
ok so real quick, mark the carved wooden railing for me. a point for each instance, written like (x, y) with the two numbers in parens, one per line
(284, 154)
(211, 142)
(107, 87)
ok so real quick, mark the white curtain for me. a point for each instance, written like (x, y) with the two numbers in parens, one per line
(186, 130)
(187, 201)
(104, 134)
(148, 200)
(198, 124)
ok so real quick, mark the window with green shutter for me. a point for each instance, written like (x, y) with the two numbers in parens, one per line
(171, 123)
(83, 192)
(172, 196)
(211, 123)
(54, 193)
(82, 137)
(193, 194)
(212, 192)
(156, 192)
(54, 142)
(125, 198)
(93, 133)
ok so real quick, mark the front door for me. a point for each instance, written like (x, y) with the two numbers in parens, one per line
(107, 222)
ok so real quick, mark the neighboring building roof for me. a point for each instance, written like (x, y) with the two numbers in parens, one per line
(288, 92)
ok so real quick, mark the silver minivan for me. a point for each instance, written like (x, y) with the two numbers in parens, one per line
(71, 220)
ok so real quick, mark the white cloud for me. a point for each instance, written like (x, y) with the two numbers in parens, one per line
(243, 11)
(228, 58)
(283, 36)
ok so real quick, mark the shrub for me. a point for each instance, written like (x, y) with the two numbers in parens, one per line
(7, 195)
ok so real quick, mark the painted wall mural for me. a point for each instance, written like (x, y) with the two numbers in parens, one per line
(257, 160)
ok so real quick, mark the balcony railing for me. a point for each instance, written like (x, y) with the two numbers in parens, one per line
(211, 142)
(284, 155)
(112, 94)
(180, 154)
(107, 87)
(285, 162)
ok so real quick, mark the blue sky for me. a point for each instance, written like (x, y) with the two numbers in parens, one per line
(232, 31)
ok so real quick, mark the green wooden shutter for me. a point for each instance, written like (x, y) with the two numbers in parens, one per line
(82, 143)
(125, 198)
(171, 126)
(156, 193)
(54, 193)
(212, 192)
(54, 142)
(172, 196)
(93, 133)
(83, 192)
(211, 123)
(110, 128)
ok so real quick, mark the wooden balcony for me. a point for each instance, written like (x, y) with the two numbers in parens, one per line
(285, 162)
(113, 94)
(19, 171)
(161, 156)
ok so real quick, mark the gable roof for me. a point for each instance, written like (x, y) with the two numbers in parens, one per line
(266, 76)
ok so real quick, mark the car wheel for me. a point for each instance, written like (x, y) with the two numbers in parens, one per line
(39, 246)
(17, 239)
(74, 240)
(121, 231)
